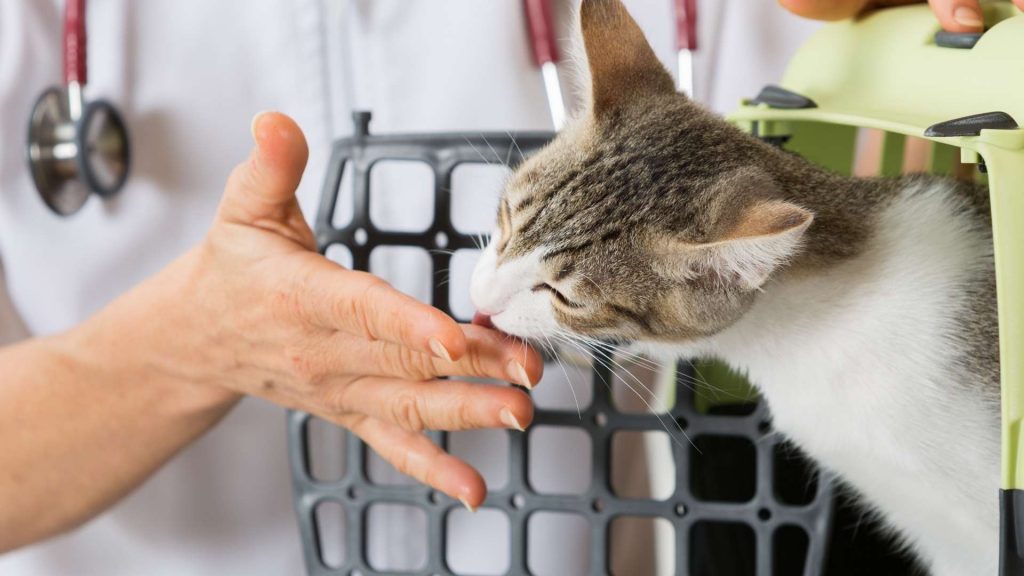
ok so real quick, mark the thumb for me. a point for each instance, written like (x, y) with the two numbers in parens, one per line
(958, 15)
(261, 190)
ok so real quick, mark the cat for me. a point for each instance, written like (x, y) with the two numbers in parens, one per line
(863, 309)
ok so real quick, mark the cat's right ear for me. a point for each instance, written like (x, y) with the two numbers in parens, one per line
(623, 67)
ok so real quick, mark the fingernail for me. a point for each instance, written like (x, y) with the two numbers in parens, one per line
(466, 504)
(967, 16)
(255, 121)
(439, 350)
(517, 374)
(509, 419)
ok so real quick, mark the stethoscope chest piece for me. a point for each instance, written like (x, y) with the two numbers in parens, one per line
(71, 158)
(75, 148)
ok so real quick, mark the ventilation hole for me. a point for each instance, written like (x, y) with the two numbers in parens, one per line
(764, 514)
(567, 384)
(638, 540)
(360, 236)
(406, 268)
(476, 189)
(680, 509)
(518, 501)
(340, 254)
(353, 493)
(682, 422)
(396, 538)
(718, 548)
(549, 535)
(723, 468)
(641, 385)
(601, 419)
(485, 450)
(764, 426)
(478, 542)
(790, 545)
(551, 469)
(642, 465)
(720, 391)
(458, 275)
(436, 497)
(326, 448)
(441, 240)
(597, 505)
(343, 207)
(795, 479)
(401, 196)
(329, 517)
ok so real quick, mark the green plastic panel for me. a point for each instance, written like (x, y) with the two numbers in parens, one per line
(884, 71)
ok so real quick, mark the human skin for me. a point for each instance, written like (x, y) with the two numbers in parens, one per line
(87, 415)
(954, 15)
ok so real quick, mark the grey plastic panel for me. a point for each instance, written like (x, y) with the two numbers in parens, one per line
(764, 513)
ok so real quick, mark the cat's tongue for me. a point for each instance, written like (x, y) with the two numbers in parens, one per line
(481, 319)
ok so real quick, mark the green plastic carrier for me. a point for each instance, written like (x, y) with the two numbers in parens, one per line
(894, 70)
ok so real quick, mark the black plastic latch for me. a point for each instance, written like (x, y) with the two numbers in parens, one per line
(965, 40)
(1011, 532)
(778, 97)
(972, 125)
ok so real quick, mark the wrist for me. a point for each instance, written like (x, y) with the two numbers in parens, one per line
(138, 341)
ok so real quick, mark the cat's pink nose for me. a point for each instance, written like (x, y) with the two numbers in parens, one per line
(482, 319)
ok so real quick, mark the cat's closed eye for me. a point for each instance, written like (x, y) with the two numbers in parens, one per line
(557, 294)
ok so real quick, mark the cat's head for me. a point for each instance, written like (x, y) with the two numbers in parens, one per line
(647, 218)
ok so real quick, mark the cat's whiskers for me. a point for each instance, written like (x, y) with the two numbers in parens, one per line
(603, 360)
(477, 150)
(558, 360)
(493, 151)
(516, 144)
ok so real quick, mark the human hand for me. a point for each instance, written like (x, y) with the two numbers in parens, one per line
(260, 312)
(954, 15)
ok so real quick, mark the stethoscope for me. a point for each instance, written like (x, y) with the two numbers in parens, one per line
(75, 148)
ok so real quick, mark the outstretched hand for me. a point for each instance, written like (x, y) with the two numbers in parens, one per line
(270, 317)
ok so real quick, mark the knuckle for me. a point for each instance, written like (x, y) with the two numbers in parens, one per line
(413, 364)
(367, 305)
(406, 413)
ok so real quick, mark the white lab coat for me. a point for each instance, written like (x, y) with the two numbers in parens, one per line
(188, 75)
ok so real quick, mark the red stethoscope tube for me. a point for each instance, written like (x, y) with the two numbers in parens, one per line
(74, 42)
(686, 43)
(542, 33)
(541, 30)
(686, 25)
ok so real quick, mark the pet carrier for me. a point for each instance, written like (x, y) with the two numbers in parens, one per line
(739, 505)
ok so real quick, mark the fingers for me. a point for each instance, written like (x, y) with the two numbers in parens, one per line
(363, 305)
(489, 354)
(958, 15)
(415, 455)
(434, 405)
(263, 187)
(825, 9)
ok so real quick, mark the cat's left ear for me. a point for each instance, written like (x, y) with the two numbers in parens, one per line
(622, 65)
(766, 235)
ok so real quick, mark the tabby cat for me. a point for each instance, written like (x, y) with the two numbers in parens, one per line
(862, 308)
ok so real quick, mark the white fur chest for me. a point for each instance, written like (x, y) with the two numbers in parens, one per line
(858, 366)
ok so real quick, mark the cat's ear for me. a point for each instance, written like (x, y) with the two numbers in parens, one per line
(622, 65)
(766, 234)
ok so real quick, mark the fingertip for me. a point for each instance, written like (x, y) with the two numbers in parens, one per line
(279, 140)
(447, 341)
(467, 485)
(959, 16)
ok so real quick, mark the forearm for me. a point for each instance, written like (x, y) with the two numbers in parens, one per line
(87, 415)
